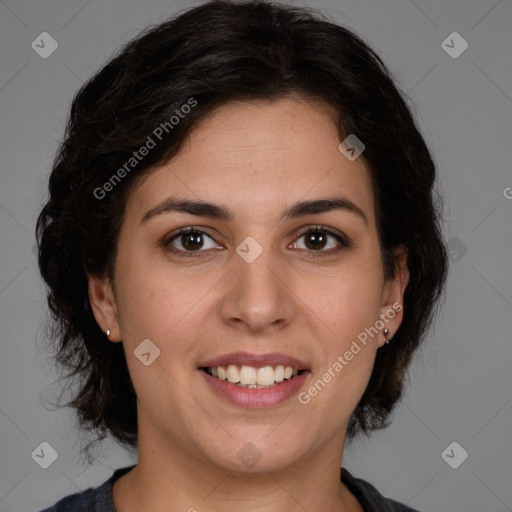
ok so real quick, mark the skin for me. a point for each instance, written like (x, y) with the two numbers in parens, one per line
(257, 158)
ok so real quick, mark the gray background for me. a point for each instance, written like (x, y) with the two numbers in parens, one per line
(461, 385)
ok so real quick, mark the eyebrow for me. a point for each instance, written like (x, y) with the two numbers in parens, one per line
(218, 211)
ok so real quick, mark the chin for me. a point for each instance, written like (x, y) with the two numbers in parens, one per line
(255, 454)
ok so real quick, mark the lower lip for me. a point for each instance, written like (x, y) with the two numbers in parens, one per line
(256, 398)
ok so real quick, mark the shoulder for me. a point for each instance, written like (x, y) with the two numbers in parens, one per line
(78, 502)
(371, 499)
(98, 499)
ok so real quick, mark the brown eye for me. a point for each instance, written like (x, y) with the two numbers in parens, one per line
(315, 240)
(189, 240)
(321, 240)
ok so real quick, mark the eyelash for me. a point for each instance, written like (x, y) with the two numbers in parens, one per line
(311, 253)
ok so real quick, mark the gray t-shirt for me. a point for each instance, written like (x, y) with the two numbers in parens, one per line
(99, 499)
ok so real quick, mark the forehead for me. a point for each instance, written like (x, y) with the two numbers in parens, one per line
(260, 156)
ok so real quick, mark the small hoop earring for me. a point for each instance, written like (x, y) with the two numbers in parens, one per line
(108, 333)
(386, 332)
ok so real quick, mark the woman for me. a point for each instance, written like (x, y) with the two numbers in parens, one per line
(243, 252)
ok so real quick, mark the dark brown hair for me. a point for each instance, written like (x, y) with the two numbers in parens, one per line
(216, 53)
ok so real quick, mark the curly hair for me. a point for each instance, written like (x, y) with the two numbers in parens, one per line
(219, 52)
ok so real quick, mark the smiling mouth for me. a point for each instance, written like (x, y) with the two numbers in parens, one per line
(250, 377)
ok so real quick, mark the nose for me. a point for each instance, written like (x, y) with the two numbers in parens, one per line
(258, 296)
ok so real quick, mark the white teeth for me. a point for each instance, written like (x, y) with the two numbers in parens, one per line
(265, 376)
(248, 376)
(254, 386)
(233, 374)
(279, 377)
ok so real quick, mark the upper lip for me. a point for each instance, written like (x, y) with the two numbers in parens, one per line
(255, 360)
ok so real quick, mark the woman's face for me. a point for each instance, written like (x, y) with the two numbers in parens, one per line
(251, 282)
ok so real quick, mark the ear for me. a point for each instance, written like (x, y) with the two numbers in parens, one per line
(393, 295)
(103, 304)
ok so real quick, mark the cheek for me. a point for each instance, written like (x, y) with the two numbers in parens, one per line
(155, 301)
(348, 303)
(347, 353)
(353, 310)
(348, 300)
